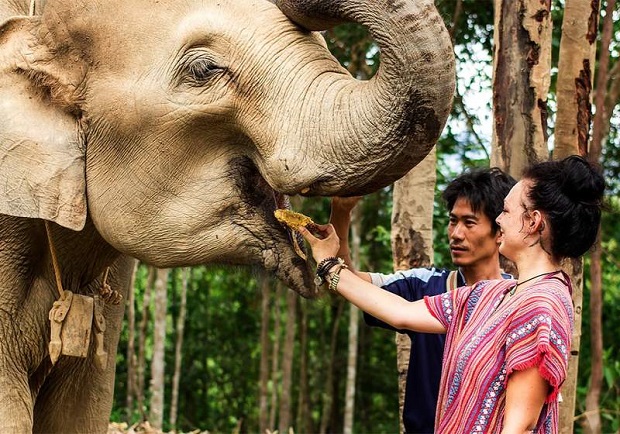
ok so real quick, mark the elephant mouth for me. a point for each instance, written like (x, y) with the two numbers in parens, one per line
(271, 201)
(283, 251)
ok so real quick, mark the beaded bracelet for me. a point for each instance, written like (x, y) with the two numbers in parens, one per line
(334, 277)
(323, 268)
(325, 265)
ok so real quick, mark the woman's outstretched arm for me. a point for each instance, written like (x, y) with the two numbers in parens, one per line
(388, 307)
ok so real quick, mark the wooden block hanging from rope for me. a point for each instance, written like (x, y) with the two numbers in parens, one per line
(76, 327)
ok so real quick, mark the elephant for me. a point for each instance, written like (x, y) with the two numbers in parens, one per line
(169, 132)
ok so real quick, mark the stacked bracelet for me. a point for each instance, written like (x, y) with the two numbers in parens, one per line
(323, 268)
(334, 277)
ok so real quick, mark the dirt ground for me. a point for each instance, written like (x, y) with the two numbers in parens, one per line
(143, 428)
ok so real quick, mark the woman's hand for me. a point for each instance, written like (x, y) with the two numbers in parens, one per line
(325, 245)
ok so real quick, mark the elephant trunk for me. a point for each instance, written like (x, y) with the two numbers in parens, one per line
(370, 133)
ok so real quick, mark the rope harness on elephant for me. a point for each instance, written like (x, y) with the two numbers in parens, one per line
(73, 316)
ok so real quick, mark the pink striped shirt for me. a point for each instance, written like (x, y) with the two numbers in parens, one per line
(488, 337)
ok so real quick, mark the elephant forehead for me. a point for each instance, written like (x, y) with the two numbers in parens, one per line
(132, 32)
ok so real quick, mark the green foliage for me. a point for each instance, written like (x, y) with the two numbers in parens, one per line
(220, 350)
(352, 45)
(221, 354)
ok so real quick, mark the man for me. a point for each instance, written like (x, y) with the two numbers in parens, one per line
(474, 201)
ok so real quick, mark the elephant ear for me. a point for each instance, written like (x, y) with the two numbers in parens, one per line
(42, 169)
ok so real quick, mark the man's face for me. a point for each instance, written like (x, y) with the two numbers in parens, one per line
(471, 236)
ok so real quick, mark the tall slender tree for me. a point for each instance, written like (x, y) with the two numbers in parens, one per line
(156, 413)
(575, 77)
(304, 404)
(178, 346)
(142, 332)
(412, 239)
(521, 79)
(275, 356)
(572, 131)
(263, 382)
(288, 355)
(131, 345)
(600, 130)
(330, 378)
(349, 400)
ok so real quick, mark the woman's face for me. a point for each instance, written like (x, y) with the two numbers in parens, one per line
(512, 221)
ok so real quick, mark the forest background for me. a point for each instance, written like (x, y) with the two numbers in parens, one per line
(231, 350)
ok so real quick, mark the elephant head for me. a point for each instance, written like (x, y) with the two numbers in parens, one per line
(178, 127)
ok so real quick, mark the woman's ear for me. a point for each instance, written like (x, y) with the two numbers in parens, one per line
(42, 169)
(537, 222)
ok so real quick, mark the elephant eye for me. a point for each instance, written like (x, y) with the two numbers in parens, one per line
(202, 69)
(199, 68)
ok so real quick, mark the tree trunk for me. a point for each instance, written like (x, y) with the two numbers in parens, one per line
(574, 268)
(575, 77)
(131, 347)
(288, 355)
(180, 327)
(330, 388)
(412, 240)
(349, 401)
(573, 122)
(263, 388)
(304, 415)
(600, 130)
(592, 421)
(403, 352)
(521, 71)
(275, 356)
(456, 15)
(144, 322)
(600, 126)
(156, 413)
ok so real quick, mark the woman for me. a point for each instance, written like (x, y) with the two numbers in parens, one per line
(507, 342)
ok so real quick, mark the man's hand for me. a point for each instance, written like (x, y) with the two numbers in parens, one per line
(344, 204)
(340, 218)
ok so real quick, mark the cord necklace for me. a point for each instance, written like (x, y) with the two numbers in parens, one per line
(514, 288)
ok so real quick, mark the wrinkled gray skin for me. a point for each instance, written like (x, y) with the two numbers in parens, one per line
(169, 131)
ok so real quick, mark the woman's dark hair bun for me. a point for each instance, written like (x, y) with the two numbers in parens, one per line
(582, 181)
(570, 192)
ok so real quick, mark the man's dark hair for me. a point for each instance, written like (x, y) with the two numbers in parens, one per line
(484, 189)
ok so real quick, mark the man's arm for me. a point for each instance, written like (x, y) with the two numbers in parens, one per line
(340, 218)
(525, 395)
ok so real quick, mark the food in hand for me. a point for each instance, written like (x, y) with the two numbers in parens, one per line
(293, 221)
